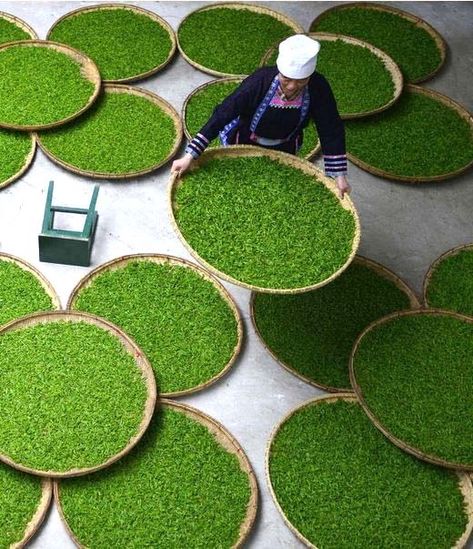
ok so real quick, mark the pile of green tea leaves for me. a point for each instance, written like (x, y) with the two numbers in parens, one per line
(40, 86)
(408, 44)
(359, 79)
(451, 283)
(263, 223)
(178, 488)
(342, 485)
(416, 377)
(72, 396)
(239, 38)
(418, 137)
(201, 105)
(123, 43)
(14, 150)
(21, 293)
(10, 31)
(313, 333)
(20, 497)
(179, 319)
(121, 134)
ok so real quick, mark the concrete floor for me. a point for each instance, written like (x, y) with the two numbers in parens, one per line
(405, 227)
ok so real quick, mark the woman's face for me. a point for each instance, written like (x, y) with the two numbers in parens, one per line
(292, 87)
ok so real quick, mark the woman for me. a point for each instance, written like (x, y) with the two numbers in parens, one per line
(273, 105)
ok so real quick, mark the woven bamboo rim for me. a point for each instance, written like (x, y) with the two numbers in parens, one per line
(460, 110)
(464, 482)
(235, 6)
(120, 262)
(19, 23)
(135, 9)
(228, 79)
(236, 79)
(372, 416)
(89, 71)
(39, 515)
(379, 269)
(26, 164)
(130, 346)
(140, 92)
(389, 64)
(238, 151)
(435, 264)
(418, 22)
(225, 439)
(46, 285)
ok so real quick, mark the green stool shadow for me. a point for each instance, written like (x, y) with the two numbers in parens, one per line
(64, 246)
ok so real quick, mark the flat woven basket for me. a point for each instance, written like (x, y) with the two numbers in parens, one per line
(225, 439)
(88, 70)
(419, 22)
(462, 112)
(24, 168)
(140, 361)
(20, 24)
(46, 285)
(169, 260)
(235, 6)
(237, 79)
(140, 11)
(382, 271)
(237, 151)
(39, 516)
(464, 482)
(359, 391)
(450, 253)
(140, 92)
(389, 64)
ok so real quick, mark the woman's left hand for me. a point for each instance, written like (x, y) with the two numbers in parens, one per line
(343, 186)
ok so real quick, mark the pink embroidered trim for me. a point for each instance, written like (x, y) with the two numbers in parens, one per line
(277, 101)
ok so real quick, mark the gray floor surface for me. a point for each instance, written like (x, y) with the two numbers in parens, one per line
(405, 227)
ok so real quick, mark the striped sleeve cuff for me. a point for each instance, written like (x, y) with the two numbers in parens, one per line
(197, 146)
(335, 165)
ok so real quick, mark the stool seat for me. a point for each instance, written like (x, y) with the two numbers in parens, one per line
(64, 246)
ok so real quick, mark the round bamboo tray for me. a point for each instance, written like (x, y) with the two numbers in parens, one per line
(450, 253)
(47, 286)
(389, 64)
(227, 441)
(465, 484)
(20, 24)
(236, 79)
(89, 71)
(39, 516)
(120, 262)
(235, 6)
(418, 22)
(359, 391)
(130, 346)
(228, 79)
(382, 271)
(135, 9)
(24, 168)
(236, 151)
(140, 92)
(462, 112)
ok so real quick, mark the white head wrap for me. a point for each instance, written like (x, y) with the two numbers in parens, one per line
(297, 56)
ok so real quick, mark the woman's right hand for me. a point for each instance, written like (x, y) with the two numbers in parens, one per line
(181, 165)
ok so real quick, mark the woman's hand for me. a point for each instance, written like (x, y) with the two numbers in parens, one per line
(343, 186)
(181, 165)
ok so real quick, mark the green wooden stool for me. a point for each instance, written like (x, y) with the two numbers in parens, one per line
(64, 246)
